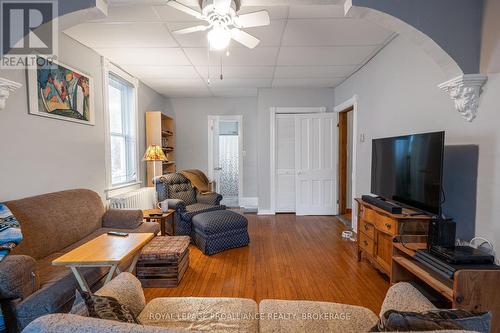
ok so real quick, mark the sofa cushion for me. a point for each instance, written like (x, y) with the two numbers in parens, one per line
(202, 314)
(217, 222)
(51, 222)
(199, 208)
(309, 316)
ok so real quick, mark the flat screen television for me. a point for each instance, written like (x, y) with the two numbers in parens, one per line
(409, 170)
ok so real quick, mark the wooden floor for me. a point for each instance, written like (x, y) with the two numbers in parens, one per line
(289, 257)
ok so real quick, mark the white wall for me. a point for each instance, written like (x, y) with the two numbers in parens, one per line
(268, 98)
(191, 121)
(40, 155)
(397, 94)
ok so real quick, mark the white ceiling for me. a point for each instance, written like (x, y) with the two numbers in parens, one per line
(305, 46)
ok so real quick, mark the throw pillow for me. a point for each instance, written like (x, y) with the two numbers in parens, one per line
(105, 307)
(394, 321)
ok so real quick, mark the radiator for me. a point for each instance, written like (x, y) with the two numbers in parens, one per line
(143, 198)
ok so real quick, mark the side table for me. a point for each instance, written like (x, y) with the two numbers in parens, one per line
(166, 218)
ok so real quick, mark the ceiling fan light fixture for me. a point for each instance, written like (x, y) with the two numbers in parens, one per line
(219, 38)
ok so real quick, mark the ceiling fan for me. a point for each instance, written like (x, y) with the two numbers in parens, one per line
(224, 23)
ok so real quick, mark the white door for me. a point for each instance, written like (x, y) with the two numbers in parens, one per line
(285, 163)
(316, 164)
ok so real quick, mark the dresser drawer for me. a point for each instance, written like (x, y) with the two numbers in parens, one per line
(387, 225)
(367, 229)
(382, 222)
(366, 243)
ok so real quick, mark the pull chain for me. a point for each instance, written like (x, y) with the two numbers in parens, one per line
(208, 67)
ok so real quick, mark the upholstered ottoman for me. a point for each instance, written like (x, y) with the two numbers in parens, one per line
(220, 230)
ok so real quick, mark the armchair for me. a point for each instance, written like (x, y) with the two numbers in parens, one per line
(185, 200)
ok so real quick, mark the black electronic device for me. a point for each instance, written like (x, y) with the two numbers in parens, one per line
(382, 204)
(442, 232)
(462, 255)
(118, 234)
(408, 170)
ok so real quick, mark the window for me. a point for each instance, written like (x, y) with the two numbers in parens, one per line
(122, 114)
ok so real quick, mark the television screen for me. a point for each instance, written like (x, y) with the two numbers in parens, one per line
(408, 170)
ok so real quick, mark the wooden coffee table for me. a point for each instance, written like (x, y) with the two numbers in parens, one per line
(165, 218)
(104, 251)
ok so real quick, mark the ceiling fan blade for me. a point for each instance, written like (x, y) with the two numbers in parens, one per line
(256, 19)
(222, 6)
(185, 9)
(191, 30)
(244, 38)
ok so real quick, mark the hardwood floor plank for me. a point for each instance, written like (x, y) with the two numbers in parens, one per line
(289, 257)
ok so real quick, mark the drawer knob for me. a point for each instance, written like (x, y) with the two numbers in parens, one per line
(459, 299)
(388, 226)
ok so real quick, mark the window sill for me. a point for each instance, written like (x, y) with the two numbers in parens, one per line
(120, 189)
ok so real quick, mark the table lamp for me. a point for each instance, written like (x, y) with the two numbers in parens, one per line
(154, 153)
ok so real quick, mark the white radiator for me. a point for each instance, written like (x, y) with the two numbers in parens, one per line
(143, 198)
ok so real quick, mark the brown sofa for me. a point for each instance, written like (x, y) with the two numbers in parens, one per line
(53, 224)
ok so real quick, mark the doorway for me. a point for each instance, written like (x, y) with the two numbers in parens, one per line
(225, 160)
(303, 161)
(345, 150)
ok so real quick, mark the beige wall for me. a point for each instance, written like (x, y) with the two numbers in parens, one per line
(490, 44)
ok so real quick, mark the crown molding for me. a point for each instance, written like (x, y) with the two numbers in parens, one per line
(465, 91)
(6, 87)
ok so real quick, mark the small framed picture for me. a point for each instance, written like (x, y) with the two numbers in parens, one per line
(61, 92)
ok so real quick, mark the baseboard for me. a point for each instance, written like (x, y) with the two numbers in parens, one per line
(249, 202)
(265, 212)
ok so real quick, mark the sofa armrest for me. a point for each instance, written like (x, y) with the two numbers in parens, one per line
(122, 218)
(127, 290)
(211, 198)
(404, 297)
(69, 323)
(176, 204)
(18, 277)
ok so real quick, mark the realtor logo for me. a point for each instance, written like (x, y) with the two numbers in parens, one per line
(27, 29)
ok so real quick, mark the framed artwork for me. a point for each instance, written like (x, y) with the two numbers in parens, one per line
(59, 91)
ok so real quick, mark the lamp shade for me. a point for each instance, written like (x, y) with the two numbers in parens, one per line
(154, 153)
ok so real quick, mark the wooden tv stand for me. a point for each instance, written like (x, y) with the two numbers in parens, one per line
(470, 289)
(377, 228)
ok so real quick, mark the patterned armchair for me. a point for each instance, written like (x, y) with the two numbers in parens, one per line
(185, 199)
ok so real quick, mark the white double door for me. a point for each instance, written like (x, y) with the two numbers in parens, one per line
(306, 163)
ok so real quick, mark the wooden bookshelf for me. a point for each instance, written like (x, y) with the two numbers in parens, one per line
(160, 130)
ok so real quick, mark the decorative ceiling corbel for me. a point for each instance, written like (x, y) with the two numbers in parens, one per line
(465, 91)
(6, 87)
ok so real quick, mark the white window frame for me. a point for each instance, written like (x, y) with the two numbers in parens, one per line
(109, 68)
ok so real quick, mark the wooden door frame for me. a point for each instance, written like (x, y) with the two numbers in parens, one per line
(342, 151)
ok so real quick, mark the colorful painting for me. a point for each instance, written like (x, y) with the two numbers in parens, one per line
(59, 91)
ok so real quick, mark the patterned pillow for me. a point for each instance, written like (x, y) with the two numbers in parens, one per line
(435, 320)
(105, 307)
